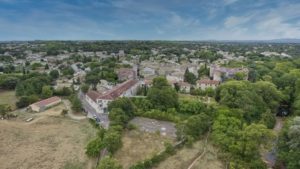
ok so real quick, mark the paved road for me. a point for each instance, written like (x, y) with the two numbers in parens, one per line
(92, 113)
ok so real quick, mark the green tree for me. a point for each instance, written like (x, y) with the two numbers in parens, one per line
(125, 104)
(46, 92)
(10, 82)
(239, 76)
(189, 77)
(46, 66)
(54, 74)
(162, 95)
(289, 144)
(270, 94)
(197, 125)
(26, 100)
(76, 103)
(85, 88)
(112, 140)
(118, 117)
(94, 147)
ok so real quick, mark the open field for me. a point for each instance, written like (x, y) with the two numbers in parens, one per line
(50, 141)
(138, 145)
(184, 157)
(8, 97)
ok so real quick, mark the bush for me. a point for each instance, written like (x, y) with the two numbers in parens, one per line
(93, 148)
(25, 101)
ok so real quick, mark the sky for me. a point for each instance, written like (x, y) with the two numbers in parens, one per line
(149, 19)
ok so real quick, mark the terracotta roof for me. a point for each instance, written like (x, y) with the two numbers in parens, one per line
(93, 95)
(208, 81)
(47, 101)
(118, 90)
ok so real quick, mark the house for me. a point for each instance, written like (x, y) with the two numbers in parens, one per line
(100, 101)
(45, 104)
(206, 83)
(184, 87)
(219, 73)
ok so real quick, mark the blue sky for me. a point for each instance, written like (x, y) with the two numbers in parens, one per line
(149, 19)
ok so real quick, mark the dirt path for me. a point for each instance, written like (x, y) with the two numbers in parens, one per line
(71, 112)
(201, 155)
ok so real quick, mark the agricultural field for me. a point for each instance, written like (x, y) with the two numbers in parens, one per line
(49, 141)
(138, 145)
(8, 97)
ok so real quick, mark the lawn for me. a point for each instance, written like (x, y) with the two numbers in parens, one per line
(8, 97)
(184, 157)
(138, 145)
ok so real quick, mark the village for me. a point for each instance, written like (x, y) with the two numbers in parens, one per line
(183, 76)
(132, 96)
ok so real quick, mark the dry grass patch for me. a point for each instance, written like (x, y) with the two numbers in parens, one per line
(184, 157)
(48, 142)
(8, 97)
(138, 145)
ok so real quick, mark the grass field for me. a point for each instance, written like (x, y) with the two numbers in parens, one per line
(184, 157)
(8, 97)
(50, 141)
(138, 146)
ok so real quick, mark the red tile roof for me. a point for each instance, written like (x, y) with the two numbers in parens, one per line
(47, 101)
(113, 93)
(93, 95)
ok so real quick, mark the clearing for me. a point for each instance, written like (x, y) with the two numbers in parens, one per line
(8, 97)
(50, 141)
(139, 145)
(185, 156)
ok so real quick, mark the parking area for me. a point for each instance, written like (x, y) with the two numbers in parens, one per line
(151, 125)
